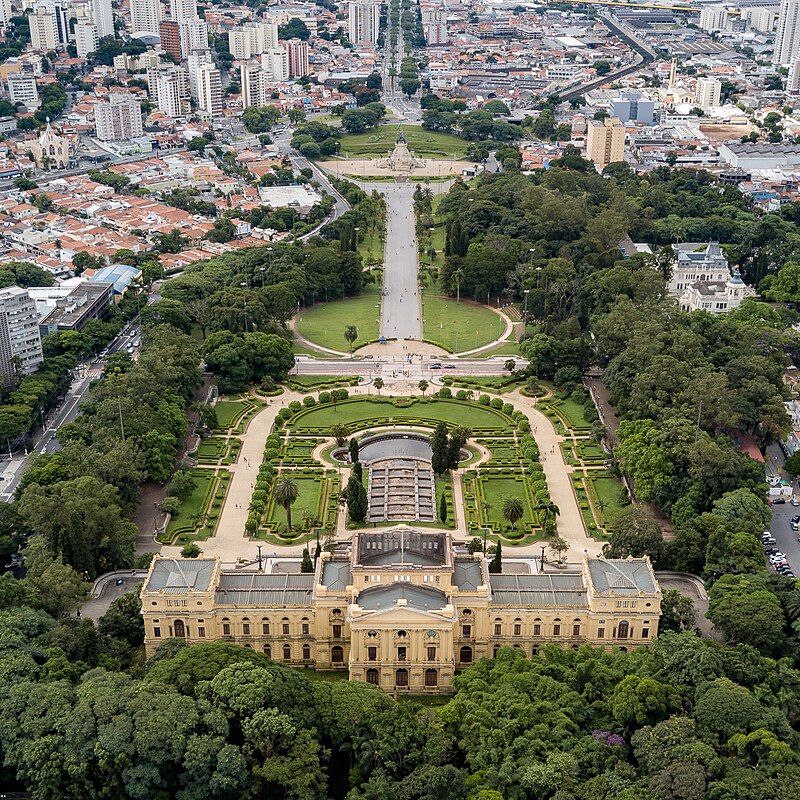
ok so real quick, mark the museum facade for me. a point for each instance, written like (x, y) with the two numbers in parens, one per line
(401, 608)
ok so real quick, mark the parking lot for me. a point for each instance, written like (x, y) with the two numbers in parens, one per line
(785, 538)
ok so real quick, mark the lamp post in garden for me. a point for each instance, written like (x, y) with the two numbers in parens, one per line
(525, 308)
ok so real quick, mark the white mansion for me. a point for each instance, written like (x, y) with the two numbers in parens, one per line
(702, 280)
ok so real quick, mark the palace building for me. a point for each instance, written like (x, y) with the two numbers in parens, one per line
(401, 608)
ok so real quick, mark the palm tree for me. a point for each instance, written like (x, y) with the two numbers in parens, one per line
(457, 277)
(378, 384)
(423, 386)
(286, 492)
(350, 334)
(512, 510)
(549, 508)
(601, 504)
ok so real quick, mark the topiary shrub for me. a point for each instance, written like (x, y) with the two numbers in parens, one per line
(270, 453)
(508, 408)
(295, 406)
(524, 425)
(484, 399)
(496, 402)
(445, 392)
(461, 394)
(285, 413)
(309, 401)
(324, 397)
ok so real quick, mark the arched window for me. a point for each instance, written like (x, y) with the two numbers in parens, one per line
(401, 677)
(287, 653)
(246, 626)
(517, 627)
(304, 623)
(373, 677)
(495, 651)
(226, 626)
(534, 651)
(556, 627)
(498, 627)
(537, 627)
(622, 630)
(576, 627)
(431, 677)
(465, 656)
(337, 654)
(306, 652)
(179, 629)
(267, 651)
(285, 626)
(265, 626)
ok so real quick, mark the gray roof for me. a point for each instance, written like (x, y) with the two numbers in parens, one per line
(179, 575)
(336, 574)
(420, 597)
(621, 576)
(467, 575)
(417, 547)
(539, 591)
(260, 589)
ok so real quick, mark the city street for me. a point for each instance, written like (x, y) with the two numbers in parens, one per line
(417, 369)
(782, 513)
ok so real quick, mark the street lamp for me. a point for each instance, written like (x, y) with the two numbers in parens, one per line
(356, 230)
(525, 308)
(538, 276)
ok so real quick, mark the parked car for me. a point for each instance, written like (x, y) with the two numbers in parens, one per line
(436, 366)
(794, 501)
(778, 501)
(795, 518)
(765, 540)
(449, 366)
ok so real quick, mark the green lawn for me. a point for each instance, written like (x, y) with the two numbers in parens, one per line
(324, 324)
(228, 411)
(380, 141)
(194, 505)
(364, 413)
(496, 488)
(506, 348)
(570, 412)
(609, 490)
(370, 248)
(458, 326)
(307, 502)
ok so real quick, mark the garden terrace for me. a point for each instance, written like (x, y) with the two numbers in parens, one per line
(234, 415)
(199, 512)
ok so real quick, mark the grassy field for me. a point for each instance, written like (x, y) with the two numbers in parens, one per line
(458, 326)
(496, 489)
(307, 502)
(609, 490)
(426, 144)
(321, 418)
(193, 505)
(506, 348)
(324, 324)
(371, 249)
(228, 411)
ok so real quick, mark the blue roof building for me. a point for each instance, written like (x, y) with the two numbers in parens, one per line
(120, 275)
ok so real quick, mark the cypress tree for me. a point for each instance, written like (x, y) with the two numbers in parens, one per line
(357, 507)
(443, 508)
(448, 231)
(353, 451)
(439, 449)
(496, 564)
(358, 471)
(307, 566)
(455, 238)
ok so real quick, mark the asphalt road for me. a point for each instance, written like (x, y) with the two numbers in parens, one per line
(782, 513)
(400, 307)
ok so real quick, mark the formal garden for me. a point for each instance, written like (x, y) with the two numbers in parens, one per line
(196, 518)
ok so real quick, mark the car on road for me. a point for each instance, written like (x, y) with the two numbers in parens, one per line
(794, 501)
(765, 540)
(436, 366)
(449, 366)
(778, 501)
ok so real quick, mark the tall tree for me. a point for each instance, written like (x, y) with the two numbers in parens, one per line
(439, 449)
(286, 491)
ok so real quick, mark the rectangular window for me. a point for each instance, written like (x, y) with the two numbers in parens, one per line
(246, 628)
(157, 633)
(556, 630)
(285, 628)
(183, 603)
(265, 628)
(576, 630)
(431, 654)
(498, 628)
(305, 629)
(401, 653)
(466, 631)
(517, 629)
(537, 629)
(372, 653)
(601, 633)
(201, 632)
(226, 629)
(645, 632)
(337, 631)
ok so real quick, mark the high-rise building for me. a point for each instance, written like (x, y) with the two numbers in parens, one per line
(713, 18)
(363, 21)
(254, 89)
(787, 35)
(760, 19)
(276, 64)
(169, 90)
(170, 32)
(22, 89)
(86, 38)
(119, 119)
(605, 142)
(297, 52)
(196, 59)
(6, 11)
(20, 343)
(193, 35)
(183, 9)
(632, 107)
(209, 90)
(435, 28)
(43, 29)
(252, 39)
(103, 17)
(145, 16)
(793, 81)
(707, 92)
